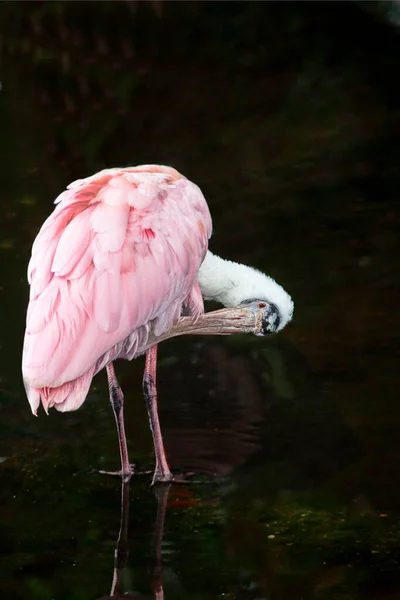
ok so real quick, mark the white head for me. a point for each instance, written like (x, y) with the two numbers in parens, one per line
(233, 284)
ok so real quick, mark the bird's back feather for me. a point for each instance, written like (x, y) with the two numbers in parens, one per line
(119, 254)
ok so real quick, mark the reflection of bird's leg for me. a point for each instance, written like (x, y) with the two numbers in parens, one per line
(162, 496)
(117, 403)
(162, 474)
(121, 550)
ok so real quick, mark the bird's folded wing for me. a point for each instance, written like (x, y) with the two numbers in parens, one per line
(118, 252)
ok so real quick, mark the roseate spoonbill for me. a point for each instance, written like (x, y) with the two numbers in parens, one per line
(115, 266)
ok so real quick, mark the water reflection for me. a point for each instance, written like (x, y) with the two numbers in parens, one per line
(122, 552)
(253, 425)
(228, 408)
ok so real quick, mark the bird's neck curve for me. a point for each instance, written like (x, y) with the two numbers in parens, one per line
(232, 283)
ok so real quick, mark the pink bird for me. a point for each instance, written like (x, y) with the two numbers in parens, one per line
(115, 266)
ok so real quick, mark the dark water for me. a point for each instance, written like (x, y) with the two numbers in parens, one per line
(287, 116)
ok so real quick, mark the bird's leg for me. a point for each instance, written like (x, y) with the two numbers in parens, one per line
(117, 403)
(162, 474)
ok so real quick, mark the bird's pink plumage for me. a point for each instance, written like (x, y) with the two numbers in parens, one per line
(119, 255)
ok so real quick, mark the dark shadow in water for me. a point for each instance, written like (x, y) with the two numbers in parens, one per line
(255, 406)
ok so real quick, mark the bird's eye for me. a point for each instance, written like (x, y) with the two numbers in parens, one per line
(262, 305)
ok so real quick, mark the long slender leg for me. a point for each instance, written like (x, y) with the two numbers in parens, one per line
(117, 403)
(162, 474)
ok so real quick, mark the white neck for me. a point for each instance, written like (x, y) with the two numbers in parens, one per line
(232, 283)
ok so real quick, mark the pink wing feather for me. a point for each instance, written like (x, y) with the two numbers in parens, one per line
(120, 253)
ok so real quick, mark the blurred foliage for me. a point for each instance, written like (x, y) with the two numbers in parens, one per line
(93, 67)
(387, 10)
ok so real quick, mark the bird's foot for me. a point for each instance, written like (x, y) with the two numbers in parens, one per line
(159, 478)
(126, 473)
(162, 477)
(167, 478)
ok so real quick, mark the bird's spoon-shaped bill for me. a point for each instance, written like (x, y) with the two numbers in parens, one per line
(247, 318)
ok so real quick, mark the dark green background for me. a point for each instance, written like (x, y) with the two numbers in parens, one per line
(287, 116)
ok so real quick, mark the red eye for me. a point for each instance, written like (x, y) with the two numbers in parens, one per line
(262, 305)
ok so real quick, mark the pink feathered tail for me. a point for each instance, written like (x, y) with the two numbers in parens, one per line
(67, 397)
